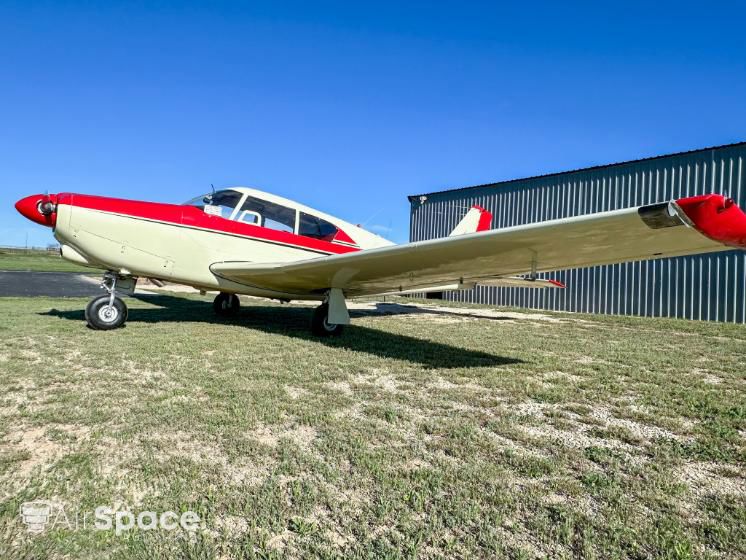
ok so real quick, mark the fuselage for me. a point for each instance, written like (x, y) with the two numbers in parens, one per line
(179, 242)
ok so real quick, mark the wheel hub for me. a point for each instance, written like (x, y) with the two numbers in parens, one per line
(108, 313)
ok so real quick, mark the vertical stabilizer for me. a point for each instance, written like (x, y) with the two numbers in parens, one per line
(476, 219)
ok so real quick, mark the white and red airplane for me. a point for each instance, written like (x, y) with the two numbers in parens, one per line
(245, 241)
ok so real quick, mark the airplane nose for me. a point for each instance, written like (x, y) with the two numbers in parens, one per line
(39, 208)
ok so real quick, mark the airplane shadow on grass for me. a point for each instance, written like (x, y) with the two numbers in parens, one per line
(294, 322)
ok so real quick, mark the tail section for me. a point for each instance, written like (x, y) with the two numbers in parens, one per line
(476, 219)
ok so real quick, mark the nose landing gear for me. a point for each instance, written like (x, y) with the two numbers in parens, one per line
(108, 311)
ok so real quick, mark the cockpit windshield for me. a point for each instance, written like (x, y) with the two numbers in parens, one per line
(219, 203)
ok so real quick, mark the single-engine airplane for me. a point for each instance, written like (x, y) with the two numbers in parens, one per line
(245, 241)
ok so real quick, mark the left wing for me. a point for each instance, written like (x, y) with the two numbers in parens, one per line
(687, 226)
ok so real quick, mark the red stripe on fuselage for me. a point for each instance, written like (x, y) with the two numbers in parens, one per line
(191, 216)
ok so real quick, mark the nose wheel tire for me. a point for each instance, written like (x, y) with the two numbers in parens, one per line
(226, 305)
(320, 325)
(103, 317)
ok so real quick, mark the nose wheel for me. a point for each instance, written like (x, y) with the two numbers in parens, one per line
(106, 312)
(103, 314)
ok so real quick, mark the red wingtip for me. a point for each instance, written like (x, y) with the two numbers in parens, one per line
(556, 283)
(716, 217)
(485, 218)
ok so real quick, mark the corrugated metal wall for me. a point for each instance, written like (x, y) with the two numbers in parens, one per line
(708, 287)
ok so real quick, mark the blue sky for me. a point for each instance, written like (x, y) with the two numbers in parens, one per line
(350, 106)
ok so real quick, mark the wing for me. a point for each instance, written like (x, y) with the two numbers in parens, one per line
(687, 226)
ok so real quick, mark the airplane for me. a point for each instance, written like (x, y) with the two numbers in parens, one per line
(245, 241)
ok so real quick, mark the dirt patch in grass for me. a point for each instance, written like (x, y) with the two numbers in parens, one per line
(295, 392)
(341, 386)
(705, 478)
(33, 450)
(302, 436)
(380, 380)
(638, 430)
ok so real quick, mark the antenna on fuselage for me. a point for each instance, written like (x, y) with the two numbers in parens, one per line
(208, 198)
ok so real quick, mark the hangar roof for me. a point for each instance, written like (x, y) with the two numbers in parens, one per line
(413, 197)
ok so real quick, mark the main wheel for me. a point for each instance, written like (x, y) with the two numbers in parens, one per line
(226, 305)
(103, 317)
(320, 325)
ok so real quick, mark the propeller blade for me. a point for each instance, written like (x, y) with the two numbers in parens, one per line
(46, 206)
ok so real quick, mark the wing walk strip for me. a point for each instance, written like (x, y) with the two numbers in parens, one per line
(712, 223)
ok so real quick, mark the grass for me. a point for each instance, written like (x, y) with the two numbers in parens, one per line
(423, 435)
(40, 261)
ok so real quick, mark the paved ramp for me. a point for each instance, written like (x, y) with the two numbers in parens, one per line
(53, 284)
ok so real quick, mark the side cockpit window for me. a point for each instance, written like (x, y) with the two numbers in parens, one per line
(267, 214)
(312, 226)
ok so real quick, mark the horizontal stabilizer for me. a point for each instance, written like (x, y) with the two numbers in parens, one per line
(508, 281)
(521, 282)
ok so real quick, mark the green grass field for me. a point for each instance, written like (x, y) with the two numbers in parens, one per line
(425, 435)
(41, 262)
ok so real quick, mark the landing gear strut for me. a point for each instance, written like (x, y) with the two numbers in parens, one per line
(226, 305)
(109, 311)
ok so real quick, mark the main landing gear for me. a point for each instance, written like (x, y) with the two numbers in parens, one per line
(330, 317)
(108, 311)
(320, 325)
(226, 305)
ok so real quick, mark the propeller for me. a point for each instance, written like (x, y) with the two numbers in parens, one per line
(46, 206)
